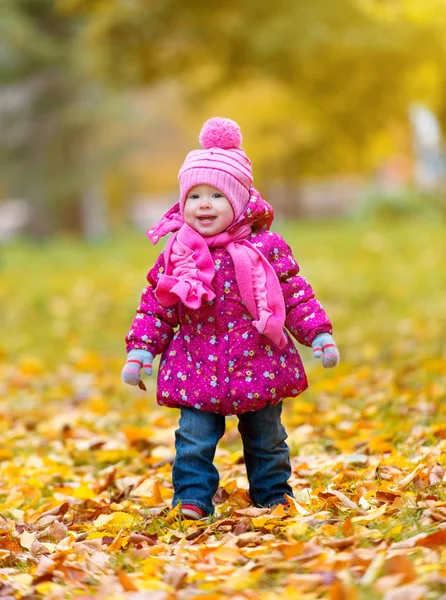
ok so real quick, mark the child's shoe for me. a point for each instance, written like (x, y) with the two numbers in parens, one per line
(193, 512)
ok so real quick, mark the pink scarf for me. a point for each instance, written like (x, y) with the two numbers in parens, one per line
(190, 271)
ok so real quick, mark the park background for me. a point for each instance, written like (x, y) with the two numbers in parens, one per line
(342, 106)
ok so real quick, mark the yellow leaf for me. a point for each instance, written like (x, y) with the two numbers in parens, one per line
(117, 518)
(260, 521)
(48, 587)
(30, 365)
(98, 405)
(370, 516)
(94, 535)
(296, 528)
(151, 566)
(241, 581)
(84, 492)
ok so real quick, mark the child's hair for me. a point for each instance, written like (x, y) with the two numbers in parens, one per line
(222, 164)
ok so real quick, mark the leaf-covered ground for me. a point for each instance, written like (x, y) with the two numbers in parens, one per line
(85, 463)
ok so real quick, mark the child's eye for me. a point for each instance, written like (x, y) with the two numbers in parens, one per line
(217, 195)
(194, 196)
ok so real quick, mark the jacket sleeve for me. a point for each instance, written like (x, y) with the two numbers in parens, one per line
(154, 324)
(305, 316)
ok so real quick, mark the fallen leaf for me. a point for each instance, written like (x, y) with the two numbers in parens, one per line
(438, 538)
(370, 516)
(84, 492)
(409, 478)
(407, 592)
(400, 565)
(295, 507)
(346, 502)
(279, 512)
(174, 577)
(9, 544)
(126, 581)
(436, 475)
(227, 554)
(27, 539)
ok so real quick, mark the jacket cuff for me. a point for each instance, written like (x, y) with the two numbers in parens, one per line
(141, 346)
(315, 332)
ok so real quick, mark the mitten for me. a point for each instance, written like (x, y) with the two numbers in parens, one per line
(136, 359)
(325, 346)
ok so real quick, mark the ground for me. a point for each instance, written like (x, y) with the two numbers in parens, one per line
(85, 462)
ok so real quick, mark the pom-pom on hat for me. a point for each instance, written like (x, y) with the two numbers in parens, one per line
(221, 164)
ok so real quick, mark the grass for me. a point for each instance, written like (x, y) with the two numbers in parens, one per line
(383, 287)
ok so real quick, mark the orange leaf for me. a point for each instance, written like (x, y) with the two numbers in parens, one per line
(227, 554)
(400, 565)
(289, 551)
(338, 591)
(433, 540)
(7, 543)
(279, 512)
(126, 582)
(156, 494)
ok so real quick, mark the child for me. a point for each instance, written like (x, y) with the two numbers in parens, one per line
(231, 290)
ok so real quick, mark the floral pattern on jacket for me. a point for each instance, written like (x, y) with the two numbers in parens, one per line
(212, 358)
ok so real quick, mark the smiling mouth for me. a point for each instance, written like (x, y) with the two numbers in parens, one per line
(206, 219)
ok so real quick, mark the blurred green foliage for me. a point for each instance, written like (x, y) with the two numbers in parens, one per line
(402, 204)
(383, 285)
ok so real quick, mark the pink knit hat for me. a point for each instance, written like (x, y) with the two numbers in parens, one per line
(221, 164)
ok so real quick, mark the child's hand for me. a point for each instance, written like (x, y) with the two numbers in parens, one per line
(136, 359)
(325, 346)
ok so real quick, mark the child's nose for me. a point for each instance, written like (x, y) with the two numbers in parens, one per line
(205, 201)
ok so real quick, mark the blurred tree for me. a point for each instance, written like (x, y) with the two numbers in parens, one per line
(50, 118)
(315, 84)
(346, 70)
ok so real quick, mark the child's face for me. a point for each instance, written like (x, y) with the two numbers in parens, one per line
(207, 210)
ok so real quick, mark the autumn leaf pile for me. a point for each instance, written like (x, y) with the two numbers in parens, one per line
(85, 462)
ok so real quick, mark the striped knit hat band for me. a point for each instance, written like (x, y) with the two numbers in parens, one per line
(221, 164)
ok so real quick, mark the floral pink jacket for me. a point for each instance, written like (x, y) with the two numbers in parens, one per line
(213, 358)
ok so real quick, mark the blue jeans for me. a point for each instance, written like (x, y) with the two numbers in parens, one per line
(267, 456)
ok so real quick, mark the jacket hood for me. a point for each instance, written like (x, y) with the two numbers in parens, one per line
(258, 214)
